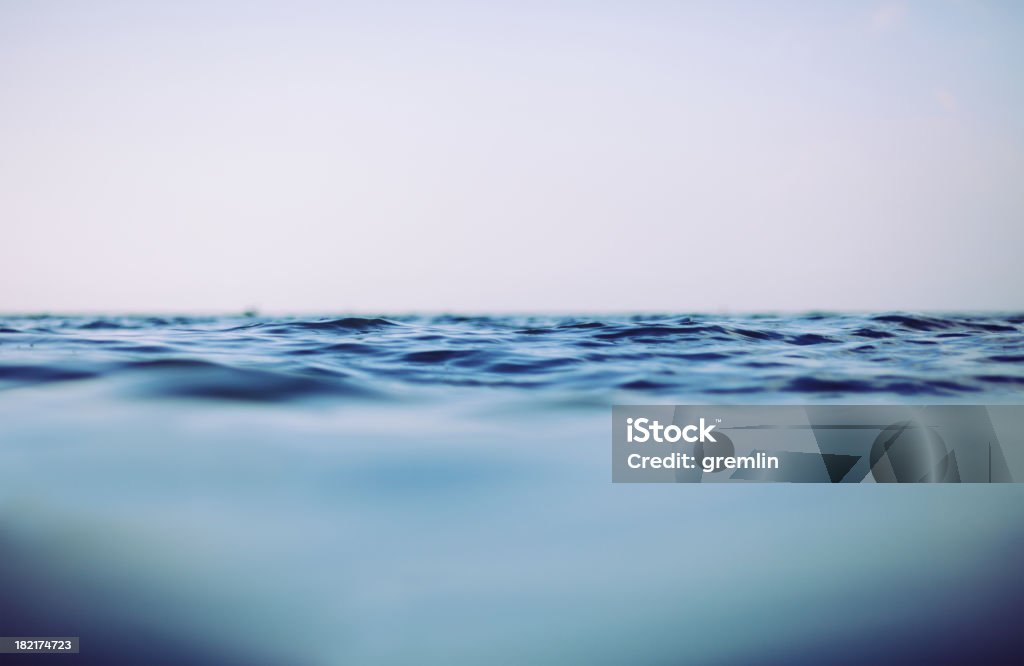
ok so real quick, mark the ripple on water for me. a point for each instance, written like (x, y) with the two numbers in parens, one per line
(659, 358)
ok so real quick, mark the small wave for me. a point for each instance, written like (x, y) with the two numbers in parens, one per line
(915, 323)
(758, 335)
(97, 324)
(192, 378)
(644, 385)
(657, 331)
(1002, 379)
(872, 333)
(812, 384)
(920, 323)
(811, 339)
(703, 356)
(277, 360)
(583, 324)
(344, 324)
(347, 323)
(354, 348)
(1007, 358)
(439, 355)
(539, 365)
(32, 374)
(991, 327)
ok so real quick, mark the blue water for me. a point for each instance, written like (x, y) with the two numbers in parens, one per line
(716, 358)
(437, 490)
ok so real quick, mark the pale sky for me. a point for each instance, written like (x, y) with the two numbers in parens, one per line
(510, 156)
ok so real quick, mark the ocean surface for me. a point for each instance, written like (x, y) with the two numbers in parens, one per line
(597, 360)
(436, 490)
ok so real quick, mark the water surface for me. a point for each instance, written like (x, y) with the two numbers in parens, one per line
(790, 358)
(348, 490)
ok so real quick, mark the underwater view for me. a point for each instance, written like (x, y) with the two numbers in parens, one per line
(437, 490)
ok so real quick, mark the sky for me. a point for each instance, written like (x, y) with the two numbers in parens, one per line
(524, 156)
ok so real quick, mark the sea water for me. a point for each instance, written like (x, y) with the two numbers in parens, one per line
(348, 490)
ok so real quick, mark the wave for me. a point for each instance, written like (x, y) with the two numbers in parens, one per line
(819, 356)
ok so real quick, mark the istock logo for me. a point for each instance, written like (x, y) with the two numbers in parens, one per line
(644, 429)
